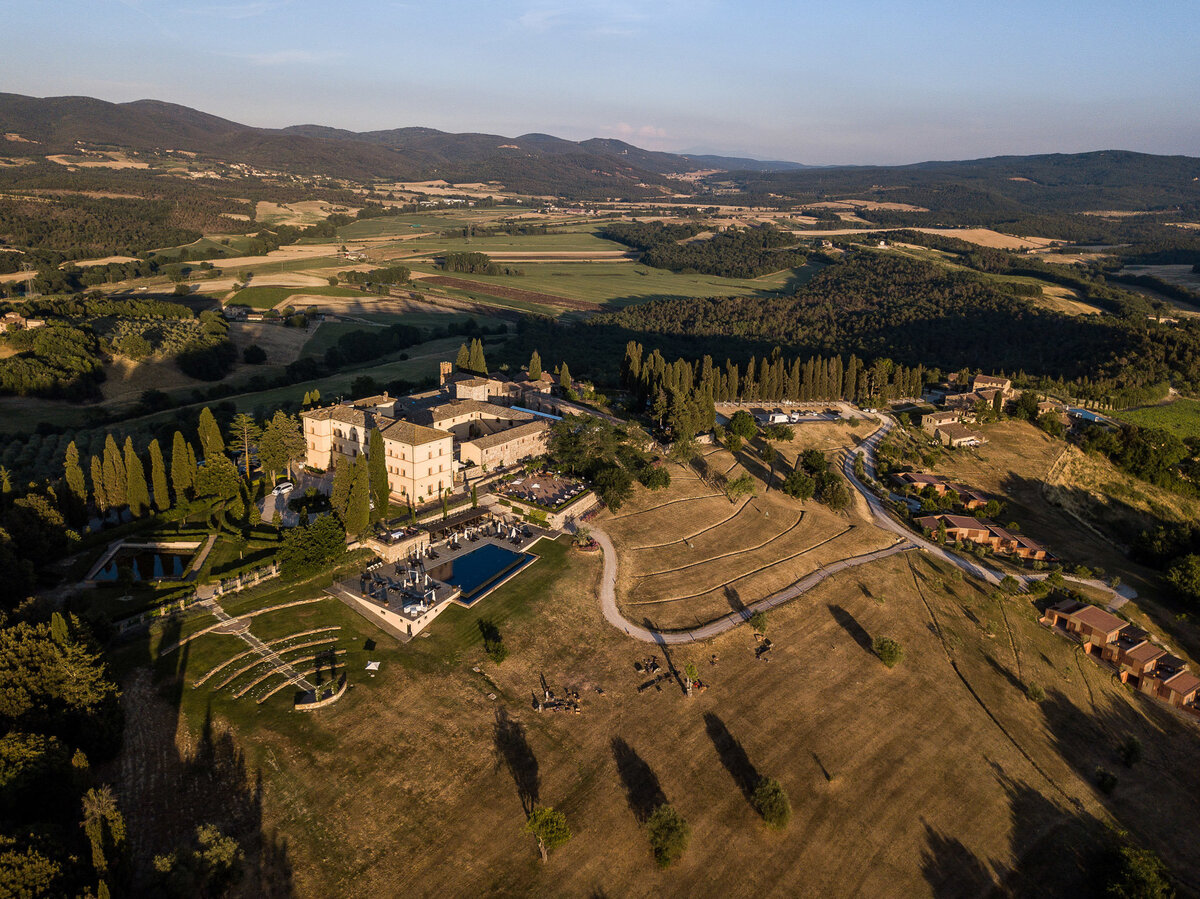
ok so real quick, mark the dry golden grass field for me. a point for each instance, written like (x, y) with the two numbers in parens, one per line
(1082, 508)
(688, 555)
(937, 777)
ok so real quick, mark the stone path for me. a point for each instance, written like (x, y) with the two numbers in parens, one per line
(266, 653)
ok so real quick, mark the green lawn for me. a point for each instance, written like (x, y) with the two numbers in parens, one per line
(626, 284)
(266, 297)
(1181, 418)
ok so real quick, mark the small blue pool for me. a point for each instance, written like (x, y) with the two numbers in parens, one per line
(479, 570)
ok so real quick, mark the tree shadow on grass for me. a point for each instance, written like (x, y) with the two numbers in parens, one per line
(851, 626)
(514, 753)
(642, 789)
(735, 601)
(732, 755)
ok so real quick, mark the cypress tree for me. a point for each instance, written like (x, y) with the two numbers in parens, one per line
(358, 511)
(564, 377)
(158, 478)
(74, 474)
(212, 444)
(114, 473)
(181, 468)
(463, 362)
(137, 493)
(339, 494)
(193, 465)
(535, 365)
(475, 359)
(377, 462)
(98, 494)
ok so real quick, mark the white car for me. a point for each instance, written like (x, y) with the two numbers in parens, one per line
(281, 489)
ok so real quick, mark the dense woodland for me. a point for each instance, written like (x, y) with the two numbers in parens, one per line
(885, 306)
(732, 253)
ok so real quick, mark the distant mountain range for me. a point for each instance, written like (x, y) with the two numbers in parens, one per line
(538, 163)
(965, 191)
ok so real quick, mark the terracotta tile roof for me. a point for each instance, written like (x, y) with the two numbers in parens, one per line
(1145, 652)
(411, 434)
(955, 431)
(454, 408)
(1183, 683)
(1098, 619)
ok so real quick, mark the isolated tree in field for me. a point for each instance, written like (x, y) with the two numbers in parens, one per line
(564, 377)
(282, 444)
(463, 360)
(377, 463)
(836, 494)
(73, 473)
(798, 485)
(742, 424)
(98, 494)
(758, 621)
(137, 492)
(742, 485)
(668, 833)
(114, 473)
(158, 478)
(244, 433)
(549, 828)
(535, 366)
(183, 476)
(358, 508)
(889, 651)
(771, 801)
(212, 444)
(104, 826)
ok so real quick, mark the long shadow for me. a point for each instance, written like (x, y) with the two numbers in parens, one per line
(662, 645)
(951, 869)
(735, 601)
(514, 753)
(168, 782)
(851, 626)
(732, 755)
(643, 792)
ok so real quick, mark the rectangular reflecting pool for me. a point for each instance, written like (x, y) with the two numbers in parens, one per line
(480, 570)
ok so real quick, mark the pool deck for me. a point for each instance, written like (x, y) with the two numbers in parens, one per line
(396, 618)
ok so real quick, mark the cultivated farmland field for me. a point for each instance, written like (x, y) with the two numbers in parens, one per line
(1181, 417)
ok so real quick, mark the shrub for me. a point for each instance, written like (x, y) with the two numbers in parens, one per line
(1106, 780)
(1035, 692)
(771, 801)
(254, 355)
(668, 834)
(889, 651)
(1131, 752)
(758, 621)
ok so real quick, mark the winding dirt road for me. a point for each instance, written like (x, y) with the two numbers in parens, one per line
(906, 540)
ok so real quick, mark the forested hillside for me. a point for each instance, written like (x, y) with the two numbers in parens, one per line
(881, 305)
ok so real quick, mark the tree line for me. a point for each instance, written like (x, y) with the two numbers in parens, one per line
(732, 253)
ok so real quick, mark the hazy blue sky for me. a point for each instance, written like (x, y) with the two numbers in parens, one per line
(846, 81)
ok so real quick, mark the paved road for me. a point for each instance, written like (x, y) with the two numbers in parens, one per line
(906, 540)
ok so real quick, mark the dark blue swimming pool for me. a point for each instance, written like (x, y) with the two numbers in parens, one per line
(479, 570)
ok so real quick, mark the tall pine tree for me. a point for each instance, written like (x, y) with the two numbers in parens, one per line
(98, 494)
(73, 472)
(114, 473)
(211, 442)
(137, 493)
(243, 437)
(358, 509)
(183, 478)
(158, 478)
(377, 462)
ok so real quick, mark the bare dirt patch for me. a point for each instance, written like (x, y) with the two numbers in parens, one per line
(95, 159)
(282, 344)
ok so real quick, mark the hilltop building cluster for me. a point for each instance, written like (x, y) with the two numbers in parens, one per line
(469, 425)
(1138, 660)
